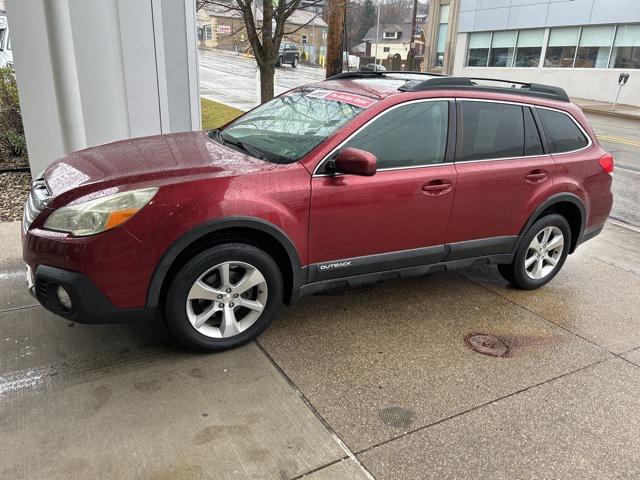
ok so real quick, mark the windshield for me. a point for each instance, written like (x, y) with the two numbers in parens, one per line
(288, 127)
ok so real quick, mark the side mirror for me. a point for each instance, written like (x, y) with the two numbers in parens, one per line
(356, 162)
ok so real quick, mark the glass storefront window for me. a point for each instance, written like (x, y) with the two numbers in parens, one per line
(529, 48)
(478, 51)
(561, 49)
(502, 48)
(592, 46)
(595, 47)
(626, 47)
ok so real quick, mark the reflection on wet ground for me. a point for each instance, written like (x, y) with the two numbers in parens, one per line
(454, 375)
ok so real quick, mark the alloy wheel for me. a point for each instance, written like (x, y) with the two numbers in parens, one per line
(544, 253)
(227, 299)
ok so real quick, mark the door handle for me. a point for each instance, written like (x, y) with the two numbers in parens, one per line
(536, 176)
(437, 187)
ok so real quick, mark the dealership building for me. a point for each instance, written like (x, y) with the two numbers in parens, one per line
(581, 45)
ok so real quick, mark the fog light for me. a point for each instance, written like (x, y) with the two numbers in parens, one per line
(30, 281)
(63, 297)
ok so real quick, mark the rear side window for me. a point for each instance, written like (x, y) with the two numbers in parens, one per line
(491, 130)
(563, 135)
(407, 136)
(532, 141)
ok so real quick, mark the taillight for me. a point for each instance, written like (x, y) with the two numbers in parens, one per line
(606, 162)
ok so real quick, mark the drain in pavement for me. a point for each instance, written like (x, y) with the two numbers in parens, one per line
(487, 344)
(396, 416)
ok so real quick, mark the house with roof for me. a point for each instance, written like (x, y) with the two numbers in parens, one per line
(385, 41)
(392, 40)
(223, 27)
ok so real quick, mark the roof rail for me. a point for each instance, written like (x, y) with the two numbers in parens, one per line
(518, 88)
(379, 73)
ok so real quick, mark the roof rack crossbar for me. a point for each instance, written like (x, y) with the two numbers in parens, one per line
(438, 81)
(529, 89)
(499, 80)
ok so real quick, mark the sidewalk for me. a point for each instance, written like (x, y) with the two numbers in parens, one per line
(124, 402)
(604, 108)
(378, 383)
(225, 53)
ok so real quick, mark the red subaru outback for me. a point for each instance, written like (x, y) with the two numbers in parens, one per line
(363, 177)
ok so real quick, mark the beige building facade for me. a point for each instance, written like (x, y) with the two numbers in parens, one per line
(440, 34)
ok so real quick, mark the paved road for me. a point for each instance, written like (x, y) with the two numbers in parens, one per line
(622, 138)
(233, 79)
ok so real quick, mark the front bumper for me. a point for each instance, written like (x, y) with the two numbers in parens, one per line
(87, 303)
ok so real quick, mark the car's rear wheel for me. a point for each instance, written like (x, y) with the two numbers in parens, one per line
(279, 62)
(541, 254)
(294, 63)
(223, 297)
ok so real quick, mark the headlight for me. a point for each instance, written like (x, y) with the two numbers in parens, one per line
(95, 216)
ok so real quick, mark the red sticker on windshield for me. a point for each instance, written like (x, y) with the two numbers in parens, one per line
(351, 99)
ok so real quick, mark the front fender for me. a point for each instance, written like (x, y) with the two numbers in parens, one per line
(209, 227)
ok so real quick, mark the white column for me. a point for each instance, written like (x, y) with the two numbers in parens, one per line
(65, 75)
(96, 71)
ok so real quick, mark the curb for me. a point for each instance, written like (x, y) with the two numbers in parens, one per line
(610, 113)
(622, 224)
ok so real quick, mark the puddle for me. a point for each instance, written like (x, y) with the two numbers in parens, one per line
(504, 345)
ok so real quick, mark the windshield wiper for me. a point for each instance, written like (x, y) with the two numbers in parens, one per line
(247, 148)
(216, 135)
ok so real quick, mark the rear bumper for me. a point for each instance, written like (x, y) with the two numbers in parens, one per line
(588, 235)
(88, 303)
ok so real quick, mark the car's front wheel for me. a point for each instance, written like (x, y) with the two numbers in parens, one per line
(223, 297)
(279, 62)
(541, 253)
(294, 63)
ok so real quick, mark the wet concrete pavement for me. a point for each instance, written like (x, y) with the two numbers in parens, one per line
(377, 383)
(162, 413)
(583, 426)
(401, 346)
(123, 401)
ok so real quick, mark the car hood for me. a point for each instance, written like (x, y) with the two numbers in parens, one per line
(158, 159)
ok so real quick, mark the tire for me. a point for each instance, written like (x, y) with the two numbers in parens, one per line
(294, 63)
(279, 62)
(205, 322)
(533, 265)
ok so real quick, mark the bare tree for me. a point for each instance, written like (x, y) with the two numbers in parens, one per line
(395, 11)
(265, 34)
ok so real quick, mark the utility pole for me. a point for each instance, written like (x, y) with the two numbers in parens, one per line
(345, 35)
(335, 37)
(375, 54)
(409, 65)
